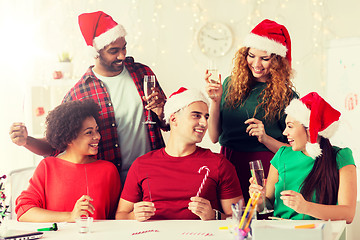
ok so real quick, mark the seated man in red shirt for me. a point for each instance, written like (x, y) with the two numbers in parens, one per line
(182, 180)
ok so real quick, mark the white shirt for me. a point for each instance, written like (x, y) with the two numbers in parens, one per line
(129, 116)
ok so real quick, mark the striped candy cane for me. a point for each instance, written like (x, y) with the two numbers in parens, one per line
(204, 179)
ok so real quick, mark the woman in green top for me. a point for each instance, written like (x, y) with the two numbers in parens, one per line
(311, 179)
(247, 112)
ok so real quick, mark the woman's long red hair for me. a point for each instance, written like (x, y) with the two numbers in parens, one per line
(275, 97)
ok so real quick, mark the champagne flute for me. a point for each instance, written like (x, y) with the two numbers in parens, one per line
(257, 172)
(214, 78)
(149, 83)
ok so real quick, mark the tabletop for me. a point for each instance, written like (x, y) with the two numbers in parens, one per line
(161, 229)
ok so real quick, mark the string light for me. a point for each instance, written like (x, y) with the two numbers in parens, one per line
(200, 13)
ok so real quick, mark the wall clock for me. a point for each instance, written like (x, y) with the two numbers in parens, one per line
(214, 39)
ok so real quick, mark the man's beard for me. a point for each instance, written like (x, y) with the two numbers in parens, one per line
(111, 67)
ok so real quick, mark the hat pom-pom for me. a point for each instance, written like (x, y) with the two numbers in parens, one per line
(313, 149)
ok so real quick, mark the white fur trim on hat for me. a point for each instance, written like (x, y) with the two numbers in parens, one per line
(108, 37)
(265, 44)
(176, 102)
(330, 130)
(298, 110)
(92, 52)
(313, 149)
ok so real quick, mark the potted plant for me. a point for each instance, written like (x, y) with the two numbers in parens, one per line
(64, 57)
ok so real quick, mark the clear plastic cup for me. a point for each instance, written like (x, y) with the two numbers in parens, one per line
(84, 224)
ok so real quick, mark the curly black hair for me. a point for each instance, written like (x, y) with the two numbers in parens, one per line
(64, 122)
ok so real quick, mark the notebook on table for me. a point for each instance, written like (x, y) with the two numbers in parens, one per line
(20, 235)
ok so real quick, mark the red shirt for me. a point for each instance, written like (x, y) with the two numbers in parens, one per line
(57, 184)
(89, 86)
(174, 180)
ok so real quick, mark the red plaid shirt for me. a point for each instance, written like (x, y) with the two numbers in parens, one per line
(89, 86)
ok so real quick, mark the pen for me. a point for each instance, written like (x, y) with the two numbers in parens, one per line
(245, 212)
(235, 210)
(252, 211)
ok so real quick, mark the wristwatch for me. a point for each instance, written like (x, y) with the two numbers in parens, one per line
(217, 214)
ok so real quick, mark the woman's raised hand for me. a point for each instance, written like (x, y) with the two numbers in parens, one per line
(256, 128)
(254, 189)
(213, 89)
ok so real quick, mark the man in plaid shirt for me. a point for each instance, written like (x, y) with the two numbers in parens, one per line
(115, 82)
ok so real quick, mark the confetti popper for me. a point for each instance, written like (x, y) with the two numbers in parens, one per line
(204, 179)
(149, 187)
(87, 184)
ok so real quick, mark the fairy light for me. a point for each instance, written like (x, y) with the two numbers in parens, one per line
(200, 13)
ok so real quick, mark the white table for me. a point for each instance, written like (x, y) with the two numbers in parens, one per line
(130, 229)
(286, 229)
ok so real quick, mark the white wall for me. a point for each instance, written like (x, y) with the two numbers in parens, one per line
(162, 34)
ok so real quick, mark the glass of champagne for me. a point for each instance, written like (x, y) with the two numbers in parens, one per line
(214, 78)
(257, 172)
(149, 83)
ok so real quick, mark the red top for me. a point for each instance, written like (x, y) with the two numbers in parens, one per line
(57, 184)
(174, 180)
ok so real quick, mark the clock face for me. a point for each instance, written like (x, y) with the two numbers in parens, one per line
(214, 39)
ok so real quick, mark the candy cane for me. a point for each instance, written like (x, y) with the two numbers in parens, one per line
(204, 180)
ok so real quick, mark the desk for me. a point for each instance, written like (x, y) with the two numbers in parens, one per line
(131, 229)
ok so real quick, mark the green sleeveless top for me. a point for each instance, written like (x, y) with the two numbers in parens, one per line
(293, 167)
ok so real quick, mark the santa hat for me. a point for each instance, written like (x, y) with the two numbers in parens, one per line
(271, 37)
(99, 30)
(318, 116)
(180, 99)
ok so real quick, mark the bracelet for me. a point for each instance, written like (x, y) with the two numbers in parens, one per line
(217, 214)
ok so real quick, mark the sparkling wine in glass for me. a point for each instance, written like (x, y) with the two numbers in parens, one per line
(257, 172)
(149, 83)
(214, 78)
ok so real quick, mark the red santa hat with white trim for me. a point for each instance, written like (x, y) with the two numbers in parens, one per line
(181, 99)
(318, 116)
(271, 37)
(99, 30)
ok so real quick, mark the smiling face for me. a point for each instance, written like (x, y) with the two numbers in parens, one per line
(87, 141)
(111, 58)
(191, 122)
(259, 64)
(296, 134)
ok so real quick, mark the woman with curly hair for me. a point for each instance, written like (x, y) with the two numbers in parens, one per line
(247, 111)
(74, 183)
